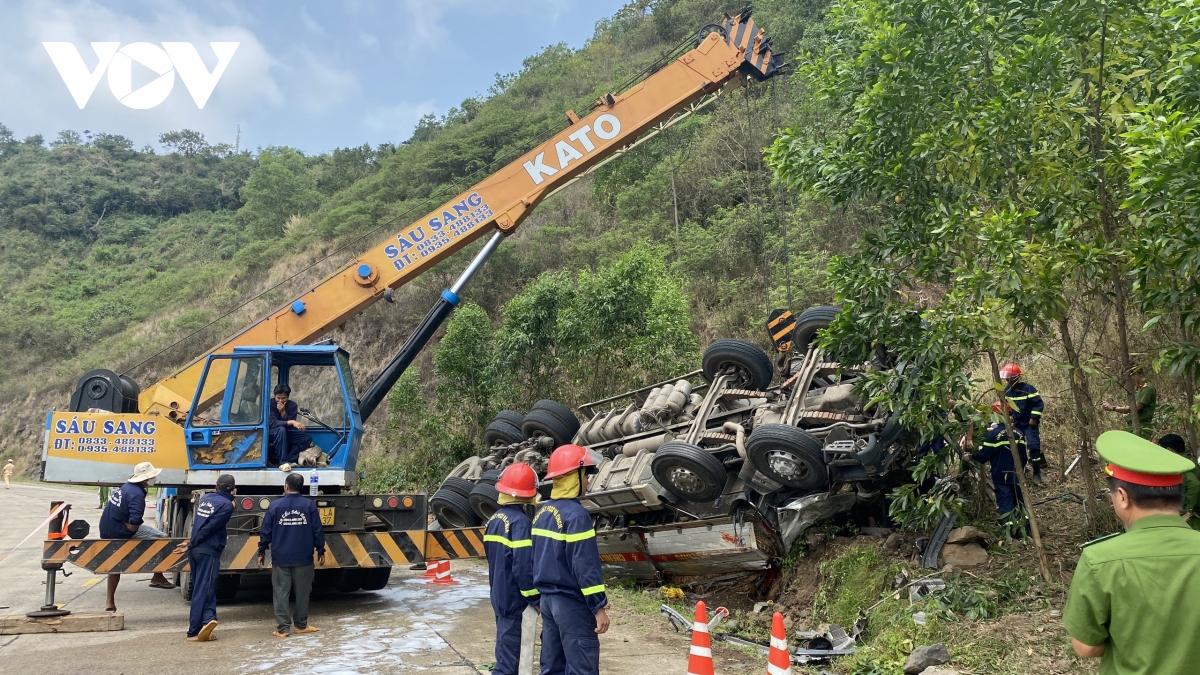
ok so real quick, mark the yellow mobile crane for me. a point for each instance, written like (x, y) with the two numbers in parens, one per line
(211, 416)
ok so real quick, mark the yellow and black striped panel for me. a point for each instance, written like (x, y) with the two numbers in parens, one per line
(373, 549)
(780, 324)
(116, 556)
(451, 544)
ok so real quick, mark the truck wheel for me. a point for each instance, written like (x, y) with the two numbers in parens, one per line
(511, 416)
(348, 580)
(500, 432)
(490, 477)
(688, 471)
(544, 423)
(227, 586)
(485, 500)
(788, 455)
(460, 485)
(376, 578)
(809, 322)
(562, 412)
(184, 581)
(453, 510)
(750, 366)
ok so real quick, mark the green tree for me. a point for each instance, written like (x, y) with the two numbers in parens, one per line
(462, 362)
(280, 186)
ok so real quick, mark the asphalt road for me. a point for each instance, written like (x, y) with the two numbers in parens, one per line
(408, 626)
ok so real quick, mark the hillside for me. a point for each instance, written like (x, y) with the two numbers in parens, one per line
(112, 254)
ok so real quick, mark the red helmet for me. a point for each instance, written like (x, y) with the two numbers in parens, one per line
(1011, 371)
(568, 458)
(518, 480)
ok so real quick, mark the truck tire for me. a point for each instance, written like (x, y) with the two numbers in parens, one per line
(227, 586)
(460, 485)
(453, 510)
(485, 500)
(348, 580)
(503, 433)
(562, 412)
(184, 579)
(809, 322)
(511, 416)
(544, 423)
(376, 578)
(750, 366)
(490, 476)
(688, 471)
(789, 456)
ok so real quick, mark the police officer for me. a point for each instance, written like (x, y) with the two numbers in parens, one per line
(509, 550)
(995, 451)
(1027, 418)
(566, 570)
(204, 556)
(1133, 598)
(291, 528)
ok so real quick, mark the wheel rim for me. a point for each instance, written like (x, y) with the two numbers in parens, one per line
(787, 465)
(741, 376)
(685, 479)
(453, 517)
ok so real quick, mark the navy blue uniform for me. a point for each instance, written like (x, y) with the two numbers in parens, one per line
(1028, 405)
(509, 548)
(995, 450)
(204, 556)
(126, 504)
(567, 575)
(291, 527)
(286, 443)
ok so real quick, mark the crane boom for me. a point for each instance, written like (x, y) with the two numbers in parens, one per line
(501, 201)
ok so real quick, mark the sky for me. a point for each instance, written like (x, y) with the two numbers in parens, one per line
(311, 75)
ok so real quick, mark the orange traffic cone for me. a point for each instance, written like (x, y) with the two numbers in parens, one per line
(700, 661)
(430, 569)
(780, 661)
(443, 573)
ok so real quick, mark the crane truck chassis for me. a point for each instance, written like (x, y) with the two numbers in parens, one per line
(210, 417)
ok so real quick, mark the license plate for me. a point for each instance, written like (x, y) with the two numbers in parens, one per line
(326, 515)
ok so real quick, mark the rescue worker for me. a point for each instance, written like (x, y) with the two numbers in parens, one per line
(288, 435)
(292, 529)
(204, 550)
(509, 550)
(1145, 397)
(1191, 480)
(1133, 598)
(1027, 405)
(566, 570)
(995, 451)
(122, 519)
(8, 474)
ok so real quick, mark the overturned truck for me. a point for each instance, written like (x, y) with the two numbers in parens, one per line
(713, 472)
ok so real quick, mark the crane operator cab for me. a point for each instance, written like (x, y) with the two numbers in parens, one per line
(263, 407)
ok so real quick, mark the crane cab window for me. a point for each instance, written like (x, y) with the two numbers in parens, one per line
(317, 390)
(236, 400)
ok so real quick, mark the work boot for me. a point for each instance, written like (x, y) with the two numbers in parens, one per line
(1037, 475)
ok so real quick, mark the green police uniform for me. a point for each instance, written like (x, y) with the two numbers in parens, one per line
(1147, 397)
(1136, 594)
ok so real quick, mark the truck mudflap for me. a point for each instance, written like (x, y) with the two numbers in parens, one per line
(343, 550)
(699, 548)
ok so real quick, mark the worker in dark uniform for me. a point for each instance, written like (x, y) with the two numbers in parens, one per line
(204, 550)
(122, 519)
(566, 570)
(288, 436)
(509, 548)
(1133, 598)
(1191, 480)
(1027, 416)
(292, 529)
(995, 451)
